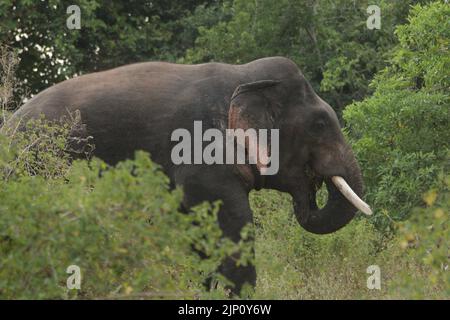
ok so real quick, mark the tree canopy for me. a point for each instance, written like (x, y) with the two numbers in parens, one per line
(112, 33)
(328, 39)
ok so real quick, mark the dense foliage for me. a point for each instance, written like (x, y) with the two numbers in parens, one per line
(401, 133)
(328, 39)
(121, 226)
(112, 33)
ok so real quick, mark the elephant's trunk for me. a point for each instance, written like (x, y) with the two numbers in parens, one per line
(338, 211)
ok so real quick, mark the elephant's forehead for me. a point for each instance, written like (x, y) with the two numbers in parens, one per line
(273, 68)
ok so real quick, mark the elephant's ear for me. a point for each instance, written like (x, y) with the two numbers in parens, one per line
(253, 106)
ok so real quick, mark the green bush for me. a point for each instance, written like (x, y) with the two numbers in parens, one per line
(400, 134)
(41, 149)
(121, 225)
(425, 237)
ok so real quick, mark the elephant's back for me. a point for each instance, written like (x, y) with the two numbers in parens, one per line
(127, 88)
(156, 85)
(135, 106)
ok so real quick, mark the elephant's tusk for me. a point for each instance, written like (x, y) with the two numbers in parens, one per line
(351, 196)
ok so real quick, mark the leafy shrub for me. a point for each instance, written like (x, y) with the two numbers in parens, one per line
(425, 237)
(400, 134)
(121, 225)
(40, 148)
(122, 229)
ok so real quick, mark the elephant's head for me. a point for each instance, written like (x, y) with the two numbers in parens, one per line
(312, 148)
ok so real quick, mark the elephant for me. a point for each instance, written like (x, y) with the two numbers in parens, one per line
(138, 106)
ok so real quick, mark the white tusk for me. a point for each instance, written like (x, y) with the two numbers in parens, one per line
(351, 196)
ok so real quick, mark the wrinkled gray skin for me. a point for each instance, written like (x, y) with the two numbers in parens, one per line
(138, 106)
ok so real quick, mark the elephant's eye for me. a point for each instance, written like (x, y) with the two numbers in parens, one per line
(319, 125)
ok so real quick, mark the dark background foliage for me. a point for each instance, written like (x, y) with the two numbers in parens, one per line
(328, 39)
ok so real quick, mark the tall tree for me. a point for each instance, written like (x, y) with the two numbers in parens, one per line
(112, 33)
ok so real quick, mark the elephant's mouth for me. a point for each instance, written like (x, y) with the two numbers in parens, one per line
(343, 201)
(315, 182)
